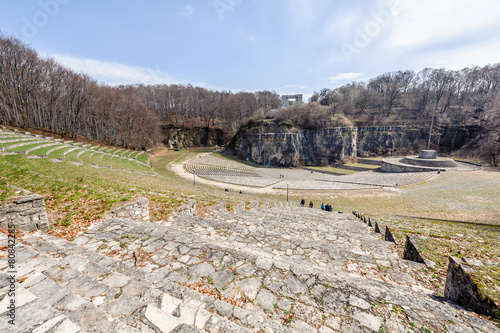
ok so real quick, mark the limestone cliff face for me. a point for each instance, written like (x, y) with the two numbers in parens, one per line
(184, 137)
(278, 145)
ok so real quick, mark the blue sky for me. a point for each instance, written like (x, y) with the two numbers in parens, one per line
(294, 46)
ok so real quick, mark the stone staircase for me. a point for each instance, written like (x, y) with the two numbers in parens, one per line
(282, 269)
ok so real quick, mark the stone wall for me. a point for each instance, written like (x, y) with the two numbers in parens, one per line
(26, 213)
(137, 209)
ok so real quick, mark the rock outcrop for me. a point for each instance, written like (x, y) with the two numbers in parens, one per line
(271, 144)
(184, 137)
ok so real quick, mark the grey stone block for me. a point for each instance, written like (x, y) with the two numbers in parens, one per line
(250, 287)
(266, 299)
(388, 235)
(411, 251)
(125, 305)
(295, 285)
(461, 288)
(82, 284)
(203, 269)
(223, 308)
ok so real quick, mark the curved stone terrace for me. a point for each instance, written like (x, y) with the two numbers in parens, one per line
(221, 170)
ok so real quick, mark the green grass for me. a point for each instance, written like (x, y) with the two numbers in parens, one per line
(42, 151)
(83, 194)
(5, 191)
(25, 147)
(59, 153)
(134, 153)
(366, 166)
(85, 157)
(127, 153)
(6, 144)
(106, 159)
(139, 167)
(71, 156)
(372, 158)
(96, 158)
(336, 170)
(13, 137)
(144, 158)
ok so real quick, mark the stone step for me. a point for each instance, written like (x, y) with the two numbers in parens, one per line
(266, 288)
(44, 304)
(341, 243)
(82, 276)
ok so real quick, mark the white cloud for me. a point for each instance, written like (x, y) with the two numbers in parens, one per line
(344, 77)
(462, 56)
(188, 11)
(113, 73)
(303, 14)
(429, 23)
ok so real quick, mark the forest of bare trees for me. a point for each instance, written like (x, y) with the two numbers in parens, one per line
(459, 97)
(37, 92)
(186, 105)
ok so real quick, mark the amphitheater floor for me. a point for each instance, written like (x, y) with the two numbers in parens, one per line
(267, 180)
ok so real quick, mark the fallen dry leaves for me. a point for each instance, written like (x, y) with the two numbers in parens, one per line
(205, 288)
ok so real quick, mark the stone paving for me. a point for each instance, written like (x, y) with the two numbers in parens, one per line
(286, 269)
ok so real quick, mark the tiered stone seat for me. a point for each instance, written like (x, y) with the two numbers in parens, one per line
(68, 288)
(33, 149)
(268, 269)
(57, 149)
(16, 143)
(214, 167)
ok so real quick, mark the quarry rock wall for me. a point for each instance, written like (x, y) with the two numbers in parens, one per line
(279, 146)
(185, 137)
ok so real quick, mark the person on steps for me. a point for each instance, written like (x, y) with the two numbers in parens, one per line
(311, 204)
(302, 203)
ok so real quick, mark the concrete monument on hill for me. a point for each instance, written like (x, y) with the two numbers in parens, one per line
(287, 100)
